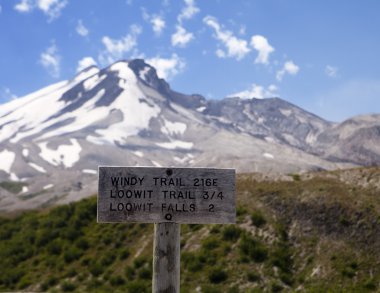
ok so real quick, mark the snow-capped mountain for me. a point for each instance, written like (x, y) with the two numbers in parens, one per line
(52, 141)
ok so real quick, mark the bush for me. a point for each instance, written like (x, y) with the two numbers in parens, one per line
(240, 211)
(130, 273)
(253, 277)
(210, 243)
(258, 219)
(217, 275)
(139, 287)
(13, 187)
(231, 233)
(191, 262)
(139, 262)
(124, 254)
(67, 287)
(253, 249)
(96, 269)
(117, 281)
(108, 259)
(145, 273)
(72, 254)
(296, 177)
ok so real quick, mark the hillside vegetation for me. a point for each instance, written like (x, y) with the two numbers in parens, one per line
(317, 232)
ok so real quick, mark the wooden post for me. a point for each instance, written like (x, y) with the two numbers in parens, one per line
(166, 258)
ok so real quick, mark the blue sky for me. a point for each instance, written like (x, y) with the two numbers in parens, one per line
(320, 55)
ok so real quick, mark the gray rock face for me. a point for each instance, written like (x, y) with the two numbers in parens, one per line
(52, 141)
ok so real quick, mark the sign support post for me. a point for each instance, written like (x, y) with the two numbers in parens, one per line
(166, 197)
(166, 258)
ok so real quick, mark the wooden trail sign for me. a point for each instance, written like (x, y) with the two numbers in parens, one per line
(156, 195)
(166, 197)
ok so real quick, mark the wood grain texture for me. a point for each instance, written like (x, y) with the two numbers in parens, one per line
(156, 195)
(166, 258)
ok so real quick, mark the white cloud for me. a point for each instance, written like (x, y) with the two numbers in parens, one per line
(331, 71)
(167, 68)
(236, 48)
(158, 24)
(24, 6)
(188, 11)
(242, 30)
(81, 29)
(261, 44)
(257, 91)
(51, 8)
(51, 61)
(181, 37)
(115, 49)
(85, 62)
(157, 21)
(289, 68)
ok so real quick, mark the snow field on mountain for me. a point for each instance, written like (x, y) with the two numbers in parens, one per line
(92, 81)
(176, 144)
(67, 155)
(268, 156)
(136, 114)
(7, 159)
(173, 128)
(156, 164)
(48, 186)
(37, 167)
(31, 111)
(83, 117)
(138, 153)
(29, 115)
(86, 74)
(90, 171)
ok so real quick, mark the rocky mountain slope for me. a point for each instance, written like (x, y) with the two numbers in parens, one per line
(53, 140)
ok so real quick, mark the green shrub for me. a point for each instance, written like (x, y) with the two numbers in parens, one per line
(108, 259)
(96, 269)
(275, 287)
(54, 247)
(139, 286)
(191, 262)
(72, 254)
(117, 281)
(253, 249)
(217, 275)
(130, 273)
(253, 277)
(139, 262)
(49, 282)
(231, 233)
(145, 273)
(13, 187)
(258, 219)
(82, 244)
(296, 177)
(240, 211)
(124, 254)
(370, 285)
(210, 243)
(24, 282)
(67, 286)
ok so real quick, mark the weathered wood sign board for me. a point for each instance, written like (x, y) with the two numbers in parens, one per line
(156, 195)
